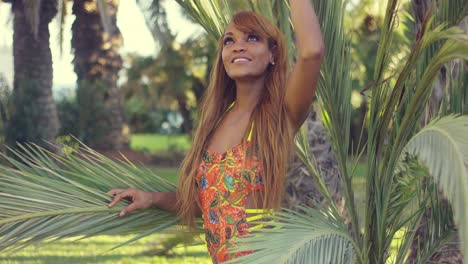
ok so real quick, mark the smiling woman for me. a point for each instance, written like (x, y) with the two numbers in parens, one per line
(252, 108)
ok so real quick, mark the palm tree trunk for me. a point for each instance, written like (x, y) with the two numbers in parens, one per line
(97, 63)
(300, 186)
(33, 114)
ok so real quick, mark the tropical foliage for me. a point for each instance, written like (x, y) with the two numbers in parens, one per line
(398, 95)
(66, 197)
(96, 41)
(406, 164)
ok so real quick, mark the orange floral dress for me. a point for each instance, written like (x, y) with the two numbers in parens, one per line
(224, 181)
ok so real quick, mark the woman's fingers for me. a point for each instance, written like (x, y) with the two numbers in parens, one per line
(138, 198)
(119, 195)
(128, 209)
(113, 192)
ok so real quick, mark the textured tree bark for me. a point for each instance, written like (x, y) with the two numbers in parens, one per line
(97, 63)
(33, 113)
(300, 186)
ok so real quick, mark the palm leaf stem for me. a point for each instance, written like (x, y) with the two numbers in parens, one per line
(374, 142)
(334, 93)
(446, 239)
(97, 209)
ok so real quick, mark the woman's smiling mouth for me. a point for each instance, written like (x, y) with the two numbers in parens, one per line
(240, 59)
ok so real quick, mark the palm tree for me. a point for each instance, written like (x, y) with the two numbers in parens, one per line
(4, 98)
(450, 253)
(396, 199)
(96, 41)
(33, 114)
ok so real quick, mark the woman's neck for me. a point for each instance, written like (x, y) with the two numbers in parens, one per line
(248, 94)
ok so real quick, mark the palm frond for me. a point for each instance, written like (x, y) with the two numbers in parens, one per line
(305, 235)
(66, 197)
(452, 11)
(156, 21)
(211, 15)
(455, 47)
(443, 147)
(334, 91)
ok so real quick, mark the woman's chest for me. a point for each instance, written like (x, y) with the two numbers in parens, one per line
(226, 178)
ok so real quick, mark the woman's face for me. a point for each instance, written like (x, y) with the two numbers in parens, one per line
(245, 55)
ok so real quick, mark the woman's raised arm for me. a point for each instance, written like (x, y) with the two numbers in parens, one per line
(300, 87)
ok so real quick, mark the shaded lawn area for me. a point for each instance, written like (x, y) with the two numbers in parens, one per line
(159, 142)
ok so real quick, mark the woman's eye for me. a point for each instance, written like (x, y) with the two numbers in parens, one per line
(253, 37)
(228, 41)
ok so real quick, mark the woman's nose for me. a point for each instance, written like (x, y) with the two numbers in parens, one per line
(239, 47)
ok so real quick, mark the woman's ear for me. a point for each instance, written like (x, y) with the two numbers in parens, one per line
(272, 60)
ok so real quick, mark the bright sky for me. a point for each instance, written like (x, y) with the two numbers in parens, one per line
(137, 38)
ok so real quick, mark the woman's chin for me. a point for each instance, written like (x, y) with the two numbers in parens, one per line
(243, 77)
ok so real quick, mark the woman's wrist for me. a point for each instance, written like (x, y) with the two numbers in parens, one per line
(164, 200)
(155, 199)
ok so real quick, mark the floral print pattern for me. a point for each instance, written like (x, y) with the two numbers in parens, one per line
(224, 181)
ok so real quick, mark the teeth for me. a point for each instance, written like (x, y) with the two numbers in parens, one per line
(240, 59)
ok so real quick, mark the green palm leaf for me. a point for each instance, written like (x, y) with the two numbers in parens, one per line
(303, 236)
(213, 16)
(443, 147)
(47, 197)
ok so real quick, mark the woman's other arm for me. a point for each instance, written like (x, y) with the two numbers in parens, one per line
(300, 89)
(166, 201)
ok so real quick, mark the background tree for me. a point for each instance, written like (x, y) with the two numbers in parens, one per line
(96, 40)
(5, 94)
(171, 81)
(33, 115)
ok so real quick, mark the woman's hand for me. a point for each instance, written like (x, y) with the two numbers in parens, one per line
(140, 199)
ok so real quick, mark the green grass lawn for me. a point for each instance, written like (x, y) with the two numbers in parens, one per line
(169, 174)
(159, 142)
(93, 250)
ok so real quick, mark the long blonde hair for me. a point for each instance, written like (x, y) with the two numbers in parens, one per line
(272, 132)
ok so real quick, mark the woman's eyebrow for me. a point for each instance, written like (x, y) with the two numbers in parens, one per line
(228, 33)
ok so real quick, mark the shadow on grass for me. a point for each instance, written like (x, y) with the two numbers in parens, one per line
(107, 258)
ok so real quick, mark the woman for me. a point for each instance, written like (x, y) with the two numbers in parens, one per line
(250, 113)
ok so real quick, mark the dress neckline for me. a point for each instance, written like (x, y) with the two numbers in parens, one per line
(229, 150)
(235, 147)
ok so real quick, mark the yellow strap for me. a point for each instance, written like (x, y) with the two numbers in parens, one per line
(249, 137)
(260, 213)
(230, 106)
(257, 211)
